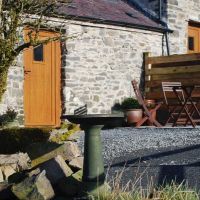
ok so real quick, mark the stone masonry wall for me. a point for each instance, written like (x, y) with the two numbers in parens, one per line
(13, 97)
(98, 65)
(101, 63)
(179, 13)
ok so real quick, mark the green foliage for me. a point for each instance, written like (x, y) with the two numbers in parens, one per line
(16, 139)
(116, 108)
(12, 22)
(169, 192)
(9, 116)
(130, 103)
(61, 137)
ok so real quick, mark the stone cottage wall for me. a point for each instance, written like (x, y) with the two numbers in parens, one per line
(100, 64)
(179, 14)
(13, 97)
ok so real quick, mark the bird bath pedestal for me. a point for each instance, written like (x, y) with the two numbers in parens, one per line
(93, 167)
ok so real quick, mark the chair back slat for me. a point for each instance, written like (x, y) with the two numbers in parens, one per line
(137, 93)
(167, 88)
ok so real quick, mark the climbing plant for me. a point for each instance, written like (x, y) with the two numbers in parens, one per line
(14, 16)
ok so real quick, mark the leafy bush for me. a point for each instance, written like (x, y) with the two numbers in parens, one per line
(130, 103)
(9, 116)
(16, 139)
(116, 108)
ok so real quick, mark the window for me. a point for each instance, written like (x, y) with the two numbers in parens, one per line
(38, 54)
(191, 43)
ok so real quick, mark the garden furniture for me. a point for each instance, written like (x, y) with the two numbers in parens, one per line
(193, 110)
(182, 107)
(148, 112)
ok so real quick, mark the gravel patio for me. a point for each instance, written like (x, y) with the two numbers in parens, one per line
(159, 154)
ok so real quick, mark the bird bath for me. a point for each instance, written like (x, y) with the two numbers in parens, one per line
(93, 167)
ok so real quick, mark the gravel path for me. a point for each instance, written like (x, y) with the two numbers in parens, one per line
(121, 141)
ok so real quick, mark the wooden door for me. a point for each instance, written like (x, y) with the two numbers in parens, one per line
(193, 39)
(42, 83)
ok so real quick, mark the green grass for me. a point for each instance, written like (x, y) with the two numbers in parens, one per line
(169, 192)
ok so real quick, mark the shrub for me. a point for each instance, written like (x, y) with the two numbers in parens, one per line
(16, 139)
(9, 116)
(130, 103)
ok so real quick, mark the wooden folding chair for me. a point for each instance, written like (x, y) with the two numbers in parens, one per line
(174, 99)
(147, 112)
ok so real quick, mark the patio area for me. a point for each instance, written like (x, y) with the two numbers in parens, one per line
(155, 154)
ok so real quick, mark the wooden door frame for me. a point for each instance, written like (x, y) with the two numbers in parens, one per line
(57, 69)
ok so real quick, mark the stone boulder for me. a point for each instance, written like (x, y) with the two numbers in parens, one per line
(77, 163)
(5, 191)
(68, 151)
(72, 185)
(36, 187)
(56, 169)
(10, 164)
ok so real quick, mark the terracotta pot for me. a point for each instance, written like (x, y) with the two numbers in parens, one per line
(133, 115)
(150, 103)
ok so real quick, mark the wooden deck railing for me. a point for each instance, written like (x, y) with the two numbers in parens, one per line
(183, 68)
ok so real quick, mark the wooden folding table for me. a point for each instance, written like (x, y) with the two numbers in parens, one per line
(188, 110)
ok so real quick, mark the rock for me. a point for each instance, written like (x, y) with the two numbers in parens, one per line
(71, 186)
(20, 161)
(75, 136)
(5, 191)
(7, 171)
(56, 169)
(1, 176)
(76, 163)
(68, 151)
(78, 175)
(44, 186)
(34, 188)
(72, 151)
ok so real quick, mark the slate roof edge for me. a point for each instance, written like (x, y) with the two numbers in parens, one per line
(118, 23)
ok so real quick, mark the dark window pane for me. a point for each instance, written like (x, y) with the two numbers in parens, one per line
(191, 43)
(38, 53)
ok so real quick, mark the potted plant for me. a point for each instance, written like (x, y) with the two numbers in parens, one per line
(132, 110)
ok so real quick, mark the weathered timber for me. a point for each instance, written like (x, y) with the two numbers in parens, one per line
(159, 95)
(183, 68)
(186, 82)
(173, 77)
(174, 70)
(173, 58)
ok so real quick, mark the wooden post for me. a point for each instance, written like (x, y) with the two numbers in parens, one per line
(147, 67)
